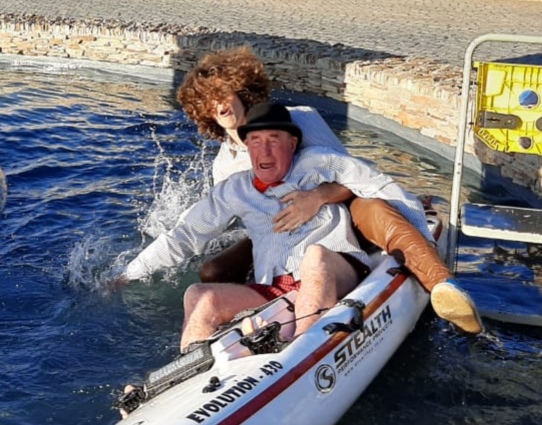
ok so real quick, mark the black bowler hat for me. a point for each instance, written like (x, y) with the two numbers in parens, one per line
(269, 116)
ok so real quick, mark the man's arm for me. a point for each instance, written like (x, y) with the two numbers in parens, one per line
(304, 205)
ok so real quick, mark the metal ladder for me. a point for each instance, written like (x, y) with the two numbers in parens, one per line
(520, 135)
(502, 127)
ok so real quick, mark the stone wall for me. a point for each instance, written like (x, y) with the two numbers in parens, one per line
(414, 92)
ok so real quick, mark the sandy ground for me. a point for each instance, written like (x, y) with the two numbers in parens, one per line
(437, 29)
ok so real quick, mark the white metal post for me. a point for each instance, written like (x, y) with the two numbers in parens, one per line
(455, 198)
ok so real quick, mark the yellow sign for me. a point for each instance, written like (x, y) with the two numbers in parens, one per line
(508, 115)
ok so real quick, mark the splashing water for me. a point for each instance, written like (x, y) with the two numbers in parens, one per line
(179, 189)
(85, 263)
(177, 183)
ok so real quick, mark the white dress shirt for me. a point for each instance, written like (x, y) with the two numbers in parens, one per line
(279, 253)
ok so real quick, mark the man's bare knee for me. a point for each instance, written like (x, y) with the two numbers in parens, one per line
(199, 294)
(315, 260)
(316, 253)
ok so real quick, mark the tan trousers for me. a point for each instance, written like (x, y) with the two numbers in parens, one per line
(382, 225)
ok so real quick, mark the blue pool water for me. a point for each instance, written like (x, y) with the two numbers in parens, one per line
(93, 166)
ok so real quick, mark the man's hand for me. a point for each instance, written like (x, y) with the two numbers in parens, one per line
(302, 207)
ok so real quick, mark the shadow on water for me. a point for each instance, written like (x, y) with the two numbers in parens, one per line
(439, 376)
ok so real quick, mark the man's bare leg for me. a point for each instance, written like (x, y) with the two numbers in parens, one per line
(208, 305)
(325, 277)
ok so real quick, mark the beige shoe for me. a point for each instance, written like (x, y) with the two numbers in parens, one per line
(456, 306)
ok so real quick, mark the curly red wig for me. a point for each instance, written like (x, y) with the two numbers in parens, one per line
(217, 76)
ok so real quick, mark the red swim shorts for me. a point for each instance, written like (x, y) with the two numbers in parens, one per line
(281, 285)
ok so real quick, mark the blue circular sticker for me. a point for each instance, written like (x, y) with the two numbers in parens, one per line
(529, 99)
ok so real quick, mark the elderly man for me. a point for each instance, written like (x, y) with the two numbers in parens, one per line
(321, 259)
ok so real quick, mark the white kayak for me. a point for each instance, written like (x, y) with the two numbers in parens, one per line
(235, 379)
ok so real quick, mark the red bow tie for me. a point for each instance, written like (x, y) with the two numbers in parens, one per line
(262, 187)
